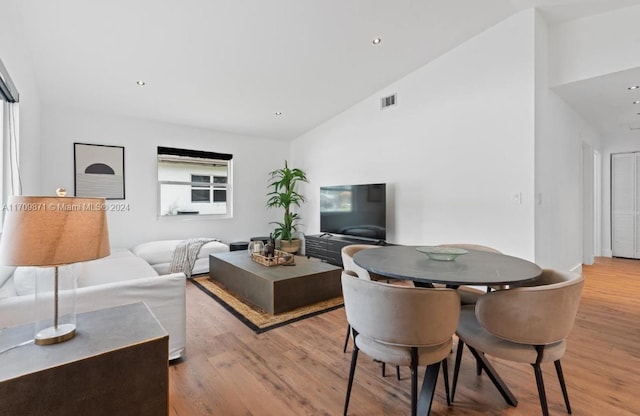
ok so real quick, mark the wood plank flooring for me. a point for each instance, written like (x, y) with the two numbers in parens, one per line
(299, 369)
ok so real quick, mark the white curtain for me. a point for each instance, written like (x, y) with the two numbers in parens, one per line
(15, 184)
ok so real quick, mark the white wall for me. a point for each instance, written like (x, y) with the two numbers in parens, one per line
(560, 133)
(455, 151)
(595, 45)
(14, 54)
(253, 158)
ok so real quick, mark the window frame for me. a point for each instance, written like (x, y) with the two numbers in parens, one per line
(9, 139)
(197, 158)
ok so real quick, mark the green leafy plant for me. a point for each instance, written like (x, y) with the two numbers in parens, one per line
(282, 185)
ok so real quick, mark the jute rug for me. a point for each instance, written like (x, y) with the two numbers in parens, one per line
(256, 319)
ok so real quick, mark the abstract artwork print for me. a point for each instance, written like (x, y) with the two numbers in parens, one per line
(99, 171)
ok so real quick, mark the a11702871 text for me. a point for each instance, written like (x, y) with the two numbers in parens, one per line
(62, 207)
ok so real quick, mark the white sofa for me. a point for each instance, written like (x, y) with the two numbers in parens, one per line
(117, 279)
(159, 254)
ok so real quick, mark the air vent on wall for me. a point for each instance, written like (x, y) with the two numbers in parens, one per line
(388, 101)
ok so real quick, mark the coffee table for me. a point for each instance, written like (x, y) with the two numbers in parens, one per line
(275, 289)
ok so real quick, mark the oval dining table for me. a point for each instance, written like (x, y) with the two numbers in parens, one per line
(473, 268)
(480, 268)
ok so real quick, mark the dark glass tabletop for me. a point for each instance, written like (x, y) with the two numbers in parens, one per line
(474, 268)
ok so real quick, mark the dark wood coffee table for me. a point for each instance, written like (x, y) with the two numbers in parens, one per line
(275, 289)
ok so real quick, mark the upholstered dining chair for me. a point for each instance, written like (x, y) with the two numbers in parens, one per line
(347, 253)
(405, 326)
(525, 324)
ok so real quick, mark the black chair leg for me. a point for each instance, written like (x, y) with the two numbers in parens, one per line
(384, 371)
(543, 397)
(414, 381)
(414, 390)
(428, 388)
(352, 370)
(346, 338)
(445, 374)
(563, 386)
(456, 368)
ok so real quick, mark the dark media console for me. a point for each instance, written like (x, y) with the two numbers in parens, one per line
(328, 247)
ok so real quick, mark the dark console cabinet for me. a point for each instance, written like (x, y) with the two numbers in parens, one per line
(328, 247)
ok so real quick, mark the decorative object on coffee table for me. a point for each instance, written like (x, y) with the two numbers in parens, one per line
(269, 248)
(277, 258)
(255, 247)
(282, 183)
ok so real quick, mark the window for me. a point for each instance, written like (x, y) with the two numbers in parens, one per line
(208, 189)
(9, 172)
(3, 199)
(193, 182)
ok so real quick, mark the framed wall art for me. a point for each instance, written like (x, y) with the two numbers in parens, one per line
(99, 170)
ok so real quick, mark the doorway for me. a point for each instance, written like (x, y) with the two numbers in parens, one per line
(625, 205)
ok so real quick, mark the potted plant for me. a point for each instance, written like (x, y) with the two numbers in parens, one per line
(282, 194)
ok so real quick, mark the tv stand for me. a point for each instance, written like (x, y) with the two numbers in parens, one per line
(328, 247)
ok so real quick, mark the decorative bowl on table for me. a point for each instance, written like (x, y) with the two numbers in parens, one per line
(442, 253)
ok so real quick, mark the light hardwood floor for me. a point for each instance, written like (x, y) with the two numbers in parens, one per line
(300, 369)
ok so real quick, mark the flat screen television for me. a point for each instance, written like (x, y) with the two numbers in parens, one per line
(354, 210)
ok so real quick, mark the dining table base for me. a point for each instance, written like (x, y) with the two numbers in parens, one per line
(485, 365)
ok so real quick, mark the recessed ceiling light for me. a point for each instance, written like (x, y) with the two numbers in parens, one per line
(278, 113)
(635, 87)
(141, 83)
(376, 41)
(636, 102)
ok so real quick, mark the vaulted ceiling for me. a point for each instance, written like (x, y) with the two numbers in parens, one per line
(232, 65)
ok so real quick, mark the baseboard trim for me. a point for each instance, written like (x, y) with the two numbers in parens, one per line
(577, 268)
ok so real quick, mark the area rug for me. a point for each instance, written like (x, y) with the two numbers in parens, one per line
(256, 319)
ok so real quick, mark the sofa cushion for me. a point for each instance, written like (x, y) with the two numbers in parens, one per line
(200, 266)
(24, 278)
(157, 252)
(119, 266)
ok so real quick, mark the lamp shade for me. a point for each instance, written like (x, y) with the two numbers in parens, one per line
(53, 231)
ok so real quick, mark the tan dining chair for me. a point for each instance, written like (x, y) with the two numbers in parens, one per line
(347, 253)
(525, 324)
(405, 326)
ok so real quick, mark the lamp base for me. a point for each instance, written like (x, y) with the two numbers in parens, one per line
(55, 335)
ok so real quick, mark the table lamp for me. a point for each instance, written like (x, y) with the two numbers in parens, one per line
(51, 232)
